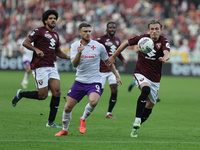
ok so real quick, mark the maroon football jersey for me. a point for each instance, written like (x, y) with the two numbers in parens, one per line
(46, 41)
(111, 44)
(148, 64)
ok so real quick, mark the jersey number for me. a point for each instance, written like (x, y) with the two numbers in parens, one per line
(97, 88)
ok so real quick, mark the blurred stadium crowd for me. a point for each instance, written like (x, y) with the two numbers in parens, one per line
(181, 20)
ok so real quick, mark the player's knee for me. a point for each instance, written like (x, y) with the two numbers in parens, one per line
(114, 89)
(42, 97)
(68, 109)
(149, 105)
(146, 90)
(93, 103)
(56, 93)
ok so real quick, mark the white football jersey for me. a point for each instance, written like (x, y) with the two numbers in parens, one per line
(88, 69)
(28, 54)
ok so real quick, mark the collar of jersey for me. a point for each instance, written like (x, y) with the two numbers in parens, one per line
(89, 44)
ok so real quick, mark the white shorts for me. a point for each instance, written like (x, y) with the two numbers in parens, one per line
(108, 76)
(154, 86)
(42, 76)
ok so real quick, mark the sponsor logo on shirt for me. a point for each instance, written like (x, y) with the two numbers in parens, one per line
(150, 58)
(52, 43)
(112, 49)
(88, 56)
(32, 33)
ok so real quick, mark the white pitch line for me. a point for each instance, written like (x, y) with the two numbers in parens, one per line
(55, 141)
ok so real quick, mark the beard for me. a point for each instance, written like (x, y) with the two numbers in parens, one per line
(51, 26)
(111, 34)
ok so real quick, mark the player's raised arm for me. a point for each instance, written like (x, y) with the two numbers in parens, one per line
(77, 58)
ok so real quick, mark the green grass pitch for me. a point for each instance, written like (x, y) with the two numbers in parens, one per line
(173, 125)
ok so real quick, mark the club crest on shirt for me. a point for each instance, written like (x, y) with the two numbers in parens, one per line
(40, 82)
(117, 42)
(141, 79)
(56, 36)
(158, 45)
(47, 35)
(93, 47)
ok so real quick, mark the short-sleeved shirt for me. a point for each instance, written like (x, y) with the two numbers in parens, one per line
(88, 69)
(111, 44)
(148, 64)
(46, 41)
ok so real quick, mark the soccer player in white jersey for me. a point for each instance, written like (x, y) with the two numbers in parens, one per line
(26, 58)
(85, 56)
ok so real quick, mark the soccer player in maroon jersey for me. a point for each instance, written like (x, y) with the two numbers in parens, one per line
(111, 43)
(147, 72)
(46, 48)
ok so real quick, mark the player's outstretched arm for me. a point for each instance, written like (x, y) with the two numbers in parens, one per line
(60, 54)
(166, 56)
(112, 58)
(113, 69)
(120, 56)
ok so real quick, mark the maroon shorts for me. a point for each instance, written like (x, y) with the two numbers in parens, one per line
(79, 90)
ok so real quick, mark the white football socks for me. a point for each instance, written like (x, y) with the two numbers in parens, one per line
(88, 110)
(26, 75)
(66, 120)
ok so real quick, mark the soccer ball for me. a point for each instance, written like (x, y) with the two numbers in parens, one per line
(145, 45)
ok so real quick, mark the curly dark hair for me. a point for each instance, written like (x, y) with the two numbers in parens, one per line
(47, 13)
(111, 22)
